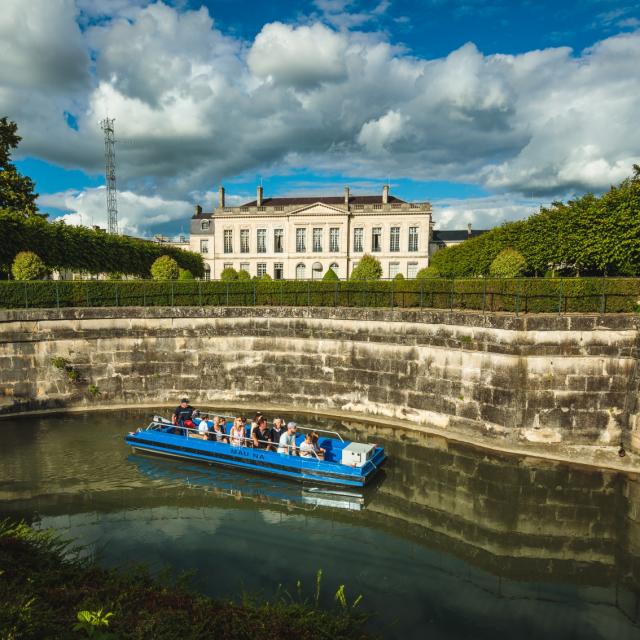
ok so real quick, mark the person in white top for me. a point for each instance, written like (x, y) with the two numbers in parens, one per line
(307, 450)
(287, 444)
(237, 433)
(203, 429)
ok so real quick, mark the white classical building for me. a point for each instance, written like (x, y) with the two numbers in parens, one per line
(302, 237)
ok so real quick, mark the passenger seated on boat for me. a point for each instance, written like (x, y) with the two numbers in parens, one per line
(261, 435)
(287, 443)
(277, 430)
(218, 433)
(318, 449)
(203, 429)
(182, 417)
(307, 449)
(237, 433)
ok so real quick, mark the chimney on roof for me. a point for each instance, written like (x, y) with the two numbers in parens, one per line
(346, 196)
(385, 194)
(469, 230)
(259, 196)
(221, 197)
(198, 210)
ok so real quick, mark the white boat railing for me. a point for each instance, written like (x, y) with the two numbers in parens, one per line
(207, 416)
(155, 425)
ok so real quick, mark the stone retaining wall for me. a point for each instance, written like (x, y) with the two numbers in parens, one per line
(570, 379)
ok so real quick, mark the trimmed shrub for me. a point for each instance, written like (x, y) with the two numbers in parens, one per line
(398, 276)
(330, 275)
(228, 274)
(243, 274)
(509, 263)
(28, 266)
(428, 272)
(165, 268)
(184, 274)
(368, 268)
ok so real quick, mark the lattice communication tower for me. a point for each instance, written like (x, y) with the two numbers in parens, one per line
(110, 173)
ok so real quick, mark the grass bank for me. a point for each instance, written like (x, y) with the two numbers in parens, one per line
(48, 591)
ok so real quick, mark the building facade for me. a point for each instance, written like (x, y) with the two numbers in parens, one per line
(301, 238)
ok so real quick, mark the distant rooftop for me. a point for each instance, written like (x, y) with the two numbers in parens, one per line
(339, 200)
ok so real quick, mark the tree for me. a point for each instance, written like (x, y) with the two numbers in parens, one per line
(165, 268)
(509, 263)
(368, 268)
(229, 274)
(16, 191)
(184, 274)
(28, 266)
(330, 275)
(243, 274)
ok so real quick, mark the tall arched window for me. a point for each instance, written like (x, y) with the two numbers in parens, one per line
(207, 272)
(205, 225)
(301, 271)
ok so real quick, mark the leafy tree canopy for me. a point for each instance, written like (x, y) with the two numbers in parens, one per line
(368, 268)
(28, 266)
(16, 191)
(590, 235)
(184, 274)
(243, 274)
(165, 268)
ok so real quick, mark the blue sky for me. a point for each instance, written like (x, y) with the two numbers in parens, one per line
(486, 109)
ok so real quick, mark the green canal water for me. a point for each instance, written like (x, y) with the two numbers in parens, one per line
(452, 543)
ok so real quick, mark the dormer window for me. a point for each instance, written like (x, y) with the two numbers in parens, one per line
(205, 225)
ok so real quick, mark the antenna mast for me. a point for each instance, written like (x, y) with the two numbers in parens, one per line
(110, 173)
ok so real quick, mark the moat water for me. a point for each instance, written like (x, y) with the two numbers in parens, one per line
(453, 543)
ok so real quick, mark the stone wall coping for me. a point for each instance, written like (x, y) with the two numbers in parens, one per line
(504, 321)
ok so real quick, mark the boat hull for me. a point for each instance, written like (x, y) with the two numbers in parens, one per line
(294, 468)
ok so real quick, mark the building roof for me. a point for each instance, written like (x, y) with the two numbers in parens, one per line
(287, 202)
(456, 235)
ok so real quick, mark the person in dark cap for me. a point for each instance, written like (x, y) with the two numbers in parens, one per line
(182, 417)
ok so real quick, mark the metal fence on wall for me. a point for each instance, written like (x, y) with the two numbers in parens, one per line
(522, 295)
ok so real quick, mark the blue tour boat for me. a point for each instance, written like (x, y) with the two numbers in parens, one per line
(345, 465)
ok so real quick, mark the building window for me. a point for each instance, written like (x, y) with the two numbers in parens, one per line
(278, 271)
(301, 271)
(334, 240)
(244, 240)
(394, 269)
(317, 239)
(228, 241)
(358, 236)
(334, 267)
(394, 239)
(227, 265)
(261, 245)
(245, 266)
(412, 270)
(300, 241)
(262, 269)
(204, 225)
(278, 240)
(204, 246)
(376, 239)
(413, 238)
(207, 272)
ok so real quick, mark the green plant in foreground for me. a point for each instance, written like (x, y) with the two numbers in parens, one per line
(91, 622)
(341, 599)
(73, 375)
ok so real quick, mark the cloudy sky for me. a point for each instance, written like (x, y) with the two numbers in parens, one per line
(486, 108)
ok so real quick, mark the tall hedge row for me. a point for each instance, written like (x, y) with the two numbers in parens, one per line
(81, 249)
(599, 295)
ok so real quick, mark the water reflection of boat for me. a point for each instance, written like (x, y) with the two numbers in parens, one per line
(229, 483)
(345, 464)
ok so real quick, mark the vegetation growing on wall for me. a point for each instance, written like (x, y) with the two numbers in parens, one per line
(587, 236)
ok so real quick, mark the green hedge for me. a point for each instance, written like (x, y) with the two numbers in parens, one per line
(523, 295)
